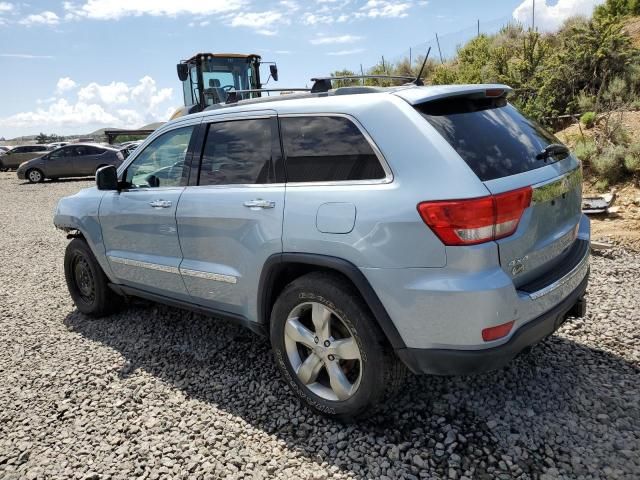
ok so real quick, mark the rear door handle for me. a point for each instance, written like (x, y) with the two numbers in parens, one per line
(160, 204)
(259, 203)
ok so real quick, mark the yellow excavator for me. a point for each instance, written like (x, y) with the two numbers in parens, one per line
(208, 79)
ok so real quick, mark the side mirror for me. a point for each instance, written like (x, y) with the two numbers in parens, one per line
(273, 69)
(107, 178)
(183, 71)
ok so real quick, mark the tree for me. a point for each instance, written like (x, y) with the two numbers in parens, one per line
(42, 138)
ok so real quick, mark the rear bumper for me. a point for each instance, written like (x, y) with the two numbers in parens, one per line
(461, 362)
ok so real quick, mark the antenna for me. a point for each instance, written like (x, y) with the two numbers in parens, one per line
(418, 81)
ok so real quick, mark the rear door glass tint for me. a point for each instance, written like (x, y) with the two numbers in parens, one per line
(490, 135)
(327, 149)
(238, 152)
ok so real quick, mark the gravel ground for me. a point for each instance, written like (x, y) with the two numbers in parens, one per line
(155, 392)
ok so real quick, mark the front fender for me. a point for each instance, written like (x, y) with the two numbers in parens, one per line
(80, 212)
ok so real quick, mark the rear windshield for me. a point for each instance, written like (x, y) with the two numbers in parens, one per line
(494, 138)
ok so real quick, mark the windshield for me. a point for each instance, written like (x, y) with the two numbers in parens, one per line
(219, 76)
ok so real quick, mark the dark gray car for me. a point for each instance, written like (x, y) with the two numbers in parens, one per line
(14, 157)
(76, 160)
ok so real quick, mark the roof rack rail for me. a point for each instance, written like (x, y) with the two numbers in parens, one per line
(323, 84)
(232, 95)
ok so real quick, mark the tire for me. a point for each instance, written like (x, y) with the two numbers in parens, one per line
(35, 176)
(364, 359)
(87, 283)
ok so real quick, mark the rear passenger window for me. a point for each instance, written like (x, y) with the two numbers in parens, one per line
(237, 152)
(327, 149)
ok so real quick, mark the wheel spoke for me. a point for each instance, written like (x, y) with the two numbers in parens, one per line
(309, 369)
(299, 333)
(346, 349)
(338, 381)
(321, 316)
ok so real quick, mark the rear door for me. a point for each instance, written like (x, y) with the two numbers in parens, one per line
(139, 222)
(230, 220)
(87, 159)
(504, 149)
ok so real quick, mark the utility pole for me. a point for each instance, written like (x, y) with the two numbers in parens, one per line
(478, 27)
(533, 16)
(439, 51)
(384, 69)
(410, 57)
(362, 73)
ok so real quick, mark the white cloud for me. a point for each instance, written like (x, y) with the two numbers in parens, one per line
(333, 40)
(262, 22)
(384, 9)
(116, 104)
(114, 9)
(346, 52)
(65, 84)
(313, 19)
(551, 17)
(5, 7)
(43, 18)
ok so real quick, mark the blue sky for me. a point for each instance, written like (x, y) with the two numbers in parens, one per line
(74, 66)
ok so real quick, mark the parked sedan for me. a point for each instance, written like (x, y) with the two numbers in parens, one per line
(76, 160)
(4, 149)
(17, 155)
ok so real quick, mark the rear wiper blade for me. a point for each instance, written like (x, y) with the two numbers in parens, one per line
(553, 150)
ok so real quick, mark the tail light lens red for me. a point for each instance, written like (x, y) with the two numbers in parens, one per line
(476, 220)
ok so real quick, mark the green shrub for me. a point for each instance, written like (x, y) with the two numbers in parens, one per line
(609, 165)
(588, 119)
(585, 150)
(602, 185)
(632, 159)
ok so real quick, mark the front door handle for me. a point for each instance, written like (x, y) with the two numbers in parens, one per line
(160, 204)
(259, 203)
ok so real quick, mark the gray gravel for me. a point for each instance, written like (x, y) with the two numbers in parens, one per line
(155, 392)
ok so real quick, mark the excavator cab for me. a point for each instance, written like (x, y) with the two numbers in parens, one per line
(207, 79)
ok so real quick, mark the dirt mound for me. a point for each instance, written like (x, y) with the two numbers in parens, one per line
(573, 133)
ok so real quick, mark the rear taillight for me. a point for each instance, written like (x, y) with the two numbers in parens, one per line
(476, 220)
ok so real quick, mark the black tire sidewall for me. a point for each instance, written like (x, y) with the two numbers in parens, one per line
(348, 306)
(99, 305)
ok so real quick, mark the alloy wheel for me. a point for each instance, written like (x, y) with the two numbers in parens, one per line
(35, 176)
(322, 351)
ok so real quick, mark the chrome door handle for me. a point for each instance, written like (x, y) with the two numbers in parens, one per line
(259, 203)
(160, 204)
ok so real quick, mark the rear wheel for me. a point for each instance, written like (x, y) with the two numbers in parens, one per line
(35, 176)
(330, 350)
(87, 283)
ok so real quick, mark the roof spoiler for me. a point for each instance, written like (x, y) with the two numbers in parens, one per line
(415, 96)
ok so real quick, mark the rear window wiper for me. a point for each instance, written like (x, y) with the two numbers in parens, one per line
(553, 150)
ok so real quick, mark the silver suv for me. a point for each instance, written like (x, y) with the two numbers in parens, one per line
(367, 231)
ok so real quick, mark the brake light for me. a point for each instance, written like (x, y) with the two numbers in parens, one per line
(476, 220)
(499, 331)
(494, 92)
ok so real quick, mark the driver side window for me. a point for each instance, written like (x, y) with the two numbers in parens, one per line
(162, 162)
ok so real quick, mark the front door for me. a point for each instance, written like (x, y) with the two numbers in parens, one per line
(139, 222)
(231, 222)
(60, 162)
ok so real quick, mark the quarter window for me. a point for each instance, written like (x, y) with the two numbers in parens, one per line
(327, 149)
(162, 162)
(237, 152)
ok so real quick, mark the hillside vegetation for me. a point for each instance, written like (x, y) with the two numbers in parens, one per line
(589, 69)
